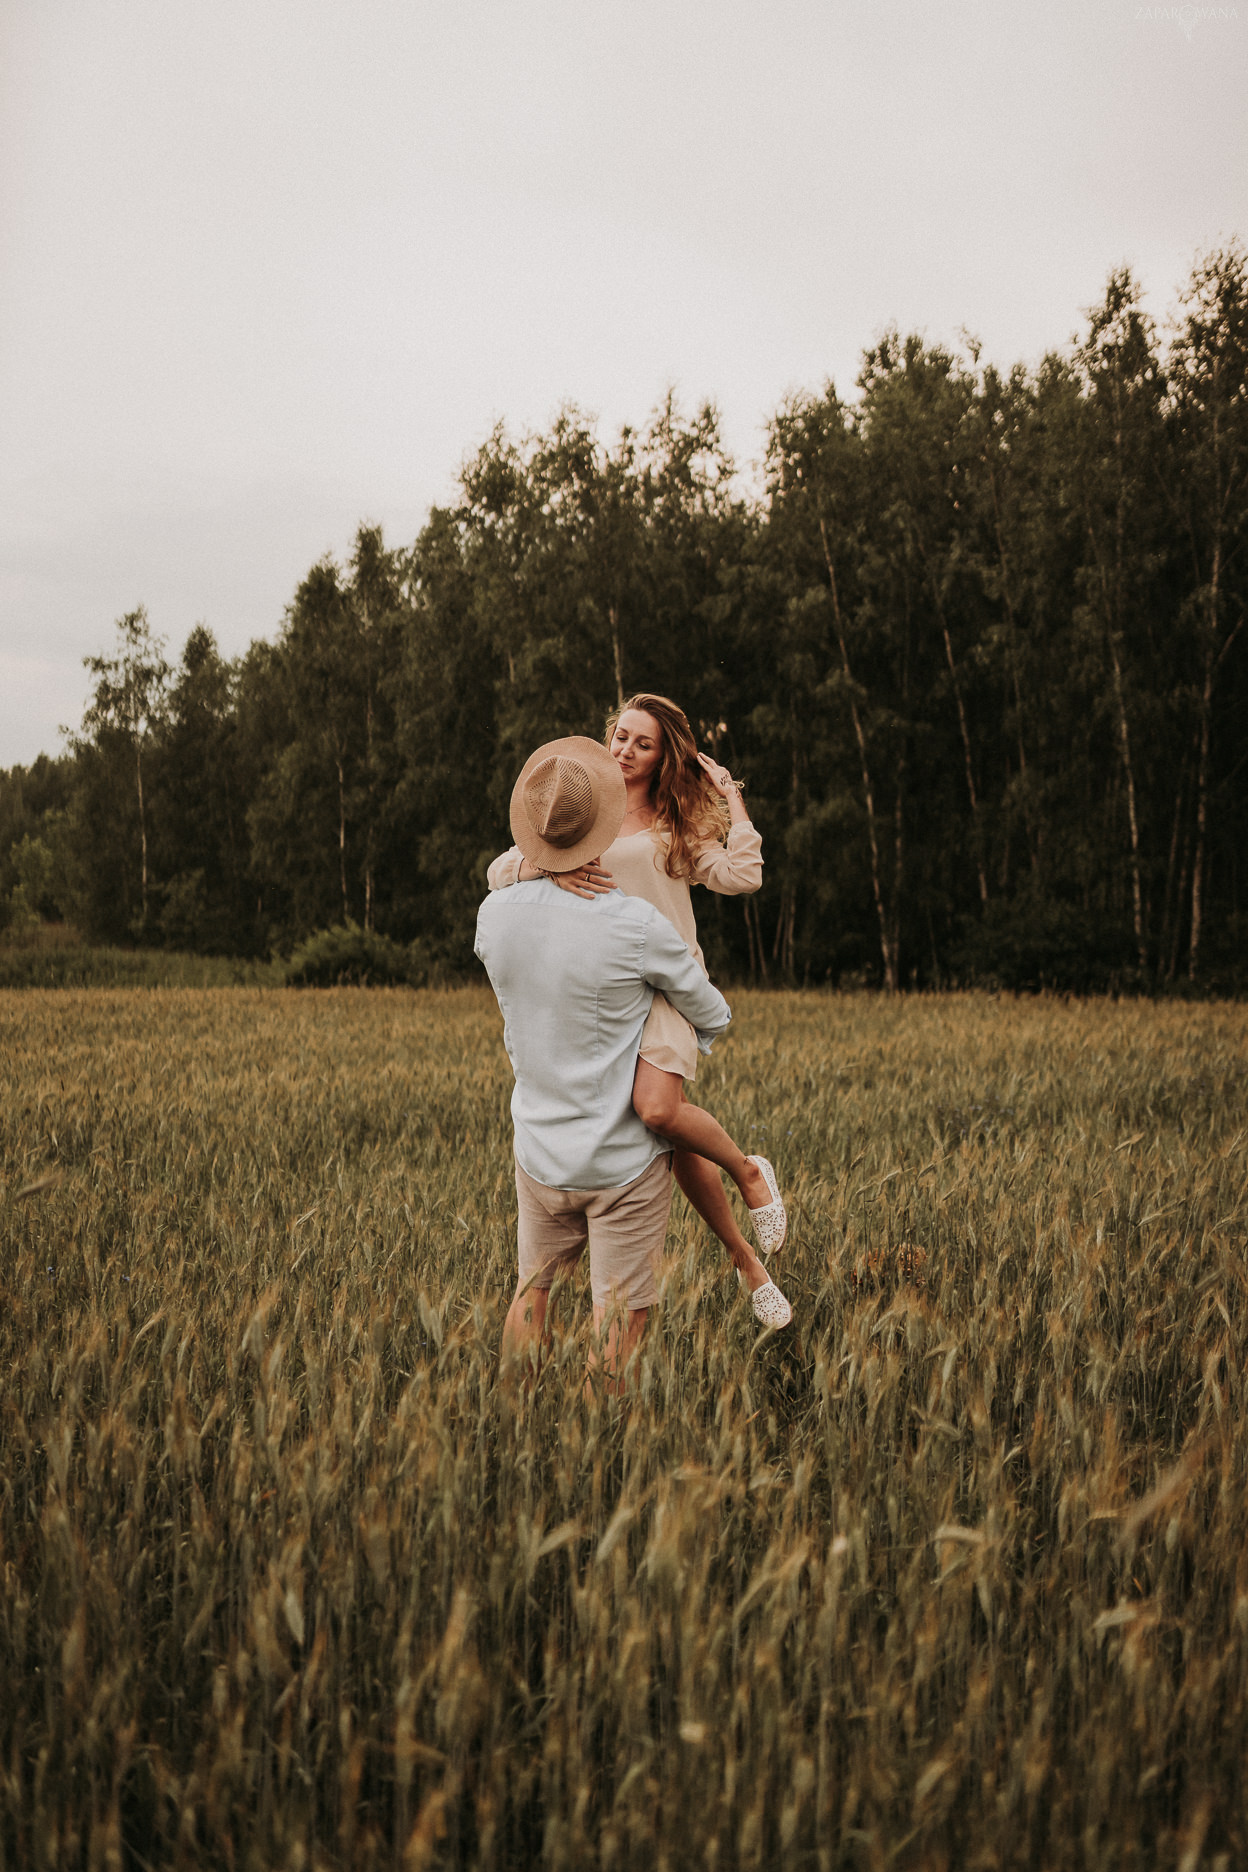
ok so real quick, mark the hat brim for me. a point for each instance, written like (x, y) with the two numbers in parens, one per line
(609, 802)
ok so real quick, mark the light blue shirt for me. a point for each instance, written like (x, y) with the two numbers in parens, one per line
(575, 979)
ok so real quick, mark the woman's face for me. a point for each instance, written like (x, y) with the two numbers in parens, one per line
(637, 744)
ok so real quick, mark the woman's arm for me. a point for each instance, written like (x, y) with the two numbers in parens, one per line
(509, 867)
(512, 867)
(735, 869)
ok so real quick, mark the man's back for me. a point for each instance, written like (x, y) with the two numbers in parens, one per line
(575, 981)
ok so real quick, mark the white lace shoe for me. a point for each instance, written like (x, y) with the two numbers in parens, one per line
(769, 1304)
(771, 1224)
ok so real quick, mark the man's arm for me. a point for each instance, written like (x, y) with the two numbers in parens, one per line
(668, 966)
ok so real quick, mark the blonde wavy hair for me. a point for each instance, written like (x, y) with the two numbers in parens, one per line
(686, 806)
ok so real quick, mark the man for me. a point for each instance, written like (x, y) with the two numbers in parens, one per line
(574, 979)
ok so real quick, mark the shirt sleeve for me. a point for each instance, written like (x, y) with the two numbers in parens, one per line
(735, 869)
(668, 966)
(505, 869)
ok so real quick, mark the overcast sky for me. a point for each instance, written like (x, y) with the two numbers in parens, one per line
(273, 269)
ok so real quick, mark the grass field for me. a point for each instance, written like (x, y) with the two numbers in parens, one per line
(946, 1576)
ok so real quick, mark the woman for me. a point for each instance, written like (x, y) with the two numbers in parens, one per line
(681, 804)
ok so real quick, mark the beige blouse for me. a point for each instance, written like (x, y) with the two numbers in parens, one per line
(637, 865)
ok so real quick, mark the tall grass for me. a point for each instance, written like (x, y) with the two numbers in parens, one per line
(951, 1574)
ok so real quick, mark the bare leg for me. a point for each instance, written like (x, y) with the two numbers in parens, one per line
(700, 1181)
(659, 1101)
(615, 1348)
(524, 1331)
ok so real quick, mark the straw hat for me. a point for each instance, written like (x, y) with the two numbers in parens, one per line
(568, 803)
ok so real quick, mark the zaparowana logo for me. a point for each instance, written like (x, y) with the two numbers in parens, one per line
(1186, 18)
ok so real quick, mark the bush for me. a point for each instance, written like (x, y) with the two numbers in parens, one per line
(67, 963)
(348, 956)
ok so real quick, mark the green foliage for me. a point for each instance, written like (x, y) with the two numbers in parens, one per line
(119, 725)
(950, 1574)
(976, 644)
(318, 818)
(31, 897)
(204, 769)
(1033, 943)
(348, 956)
(32, 805)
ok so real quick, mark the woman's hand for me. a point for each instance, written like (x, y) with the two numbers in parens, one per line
(727, 788)
(719, 777)
(588, 880)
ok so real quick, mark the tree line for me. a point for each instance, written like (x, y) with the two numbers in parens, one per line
(975, 644)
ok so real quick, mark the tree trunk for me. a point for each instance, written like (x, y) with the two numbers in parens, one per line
(976, 826)
(342, 835)
(888, 951)
(370, 842)
(1124, 742)
(1202, 813)
(758, 955)
(138, 768)
(1137, 895)
(1169, 907)
(613, 618)
(898, 861)
(1012, 620)
(782, 948)
(1177, 938)
(749, 936)
(968, 763)
(1110, 607)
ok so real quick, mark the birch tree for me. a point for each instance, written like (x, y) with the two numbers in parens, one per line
(123, 712)
(1122, 441)
(1209, 490)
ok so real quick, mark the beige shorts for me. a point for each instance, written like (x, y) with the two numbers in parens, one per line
(624, 1227)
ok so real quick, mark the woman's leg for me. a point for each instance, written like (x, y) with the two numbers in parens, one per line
(700, 1180)
(659, 1101)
